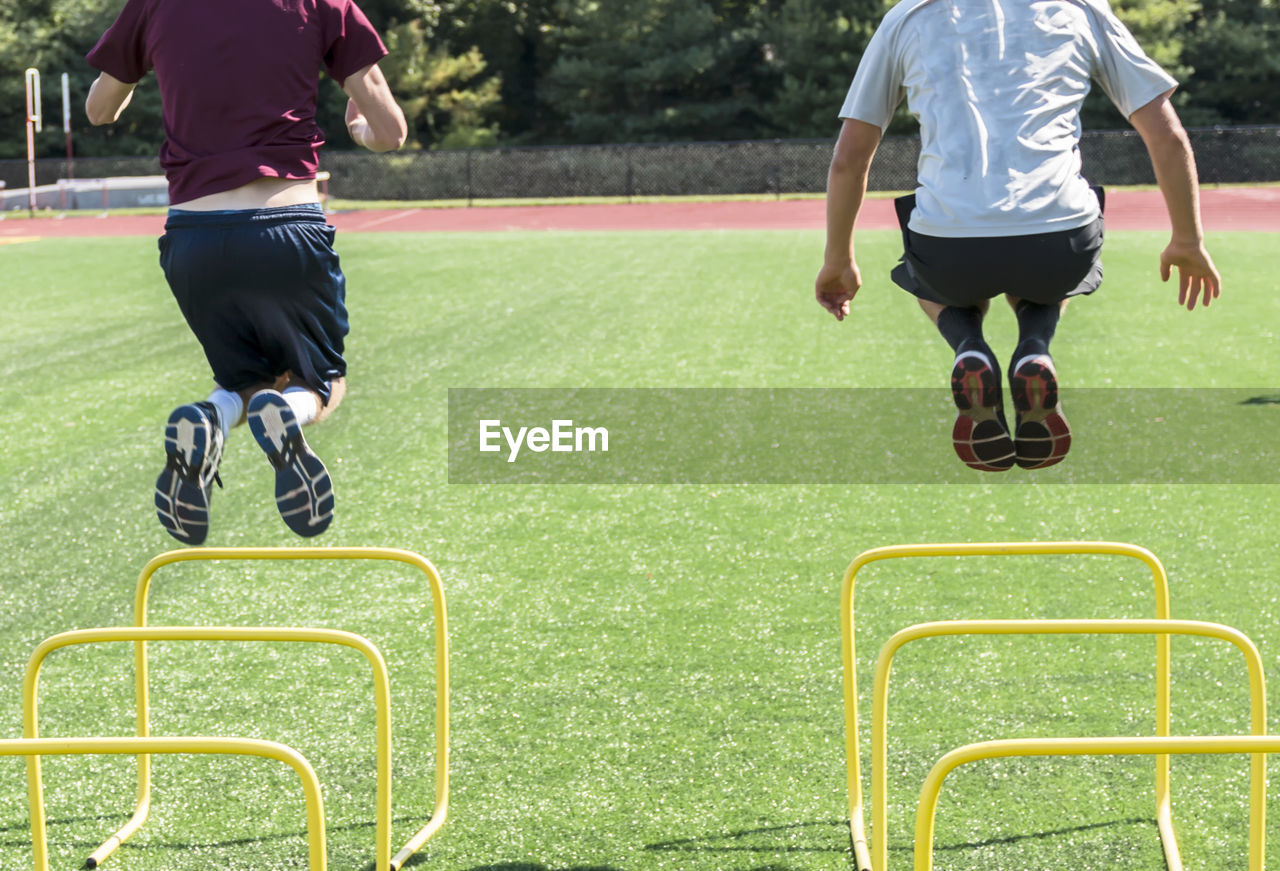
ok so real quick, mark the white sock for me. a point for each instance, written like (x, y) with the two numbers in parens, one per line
(230, 407)
(304, 404)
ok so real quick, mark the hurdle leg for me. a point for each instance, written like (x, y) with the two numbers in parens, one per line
(142, 806)
(34, 748)
(926, 810)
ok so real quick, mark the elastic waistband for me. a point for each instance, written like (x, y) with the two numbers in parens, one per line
(311, 213)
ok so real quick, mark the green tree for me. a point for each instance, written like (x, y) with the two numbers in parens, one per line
(519, 43)
(814, 47)
(447, 98)
(478, 72)
(53, 36)
(652, 70)
(1233, 51)
(1160, 27)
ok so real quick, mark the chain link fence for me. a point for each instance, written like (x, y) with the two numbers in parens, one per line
(777, 167)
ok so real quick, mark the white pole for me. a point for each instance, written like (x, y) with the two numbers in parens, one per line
(66, 122)
(35, 122)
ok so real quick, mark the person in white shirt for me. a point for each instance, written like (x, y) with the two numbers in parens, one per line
(1001, 206)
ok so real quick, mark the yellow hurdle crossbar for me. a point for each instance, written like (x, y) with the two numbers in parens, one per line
(381, 688)
(857, 826)
(34, 748)
(441, 808)
(1159, 746)
(884, 664)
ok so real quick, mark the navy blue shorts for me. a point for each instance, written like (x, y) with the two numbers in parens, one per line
(262, 291)
(1041, 267)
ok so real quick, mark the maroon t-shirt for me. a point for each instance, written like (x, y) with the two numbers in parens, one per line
(238, 81)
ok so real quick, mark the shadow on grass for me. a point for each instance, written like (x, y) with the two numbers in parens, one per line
(1035, 836)
(721, 843)
(520, 866)
(185, 845)
(725, 843)
(419, 859)
(709, 843)
(25, 826)
(525, 866)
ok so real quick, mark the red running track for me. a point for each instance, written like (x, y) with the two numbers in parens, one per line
(1224, 209)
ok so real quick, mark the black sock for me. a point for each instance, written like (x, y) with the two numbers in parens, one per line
(962, 328)
(1036, 325)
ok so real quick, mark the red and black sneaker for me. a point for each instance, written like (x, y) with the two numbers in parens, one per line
(1042, 436)
(980, 435)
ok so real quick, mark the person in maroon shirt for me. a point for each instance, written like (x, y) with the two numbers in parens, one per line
(246, 251)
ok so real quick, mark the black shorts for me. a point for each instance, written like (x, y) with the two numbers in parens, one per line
(262, 291)
(963, 271)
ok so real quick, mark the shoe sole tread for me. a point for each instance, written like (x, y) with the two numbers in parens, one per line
(303, 488)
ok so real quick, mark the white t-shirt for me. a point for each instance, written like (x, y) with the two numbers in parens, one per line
(997, 87)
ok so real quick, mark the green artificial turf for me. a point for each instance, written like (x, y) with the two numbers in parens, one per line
(643, 676)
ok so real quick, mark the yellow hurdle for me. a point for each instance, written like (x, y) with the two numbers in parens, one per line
(857, 826)
(381, 688)
(34, 748)
(927, 809)
(884, 664)
(441, 808)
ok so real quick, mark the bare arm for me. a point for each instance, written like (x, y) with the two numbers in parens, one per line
(838, 280)
(108, 97)
(1175, 169)
(374, 119)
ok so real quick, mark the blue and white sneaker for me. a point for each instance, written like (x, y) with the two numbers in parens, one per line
(304, 491)
(193, 447)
